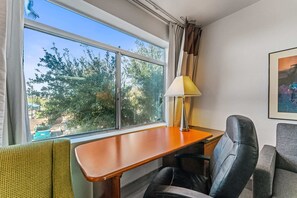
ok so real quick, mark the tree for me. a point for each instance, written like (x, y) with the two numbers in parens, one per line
(81, 89)
(143, 87)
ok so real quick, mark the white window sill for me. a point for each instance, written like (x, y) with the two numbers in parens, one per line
(94, 137)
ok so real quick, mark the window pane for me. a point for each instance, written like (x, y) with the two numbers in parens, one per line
(70, 86)
(50, 14)
(142, 92)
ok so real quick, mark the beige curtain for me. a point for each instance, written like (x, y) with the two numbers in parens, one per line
(13, 112)
(175, 43)
(189, 63)
(2, 65)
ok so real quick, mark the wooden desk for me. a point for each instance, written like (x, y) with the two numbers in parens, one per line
(107, 159)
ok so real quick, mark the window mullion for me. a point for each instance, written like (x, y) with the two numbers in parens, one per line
(118, 90)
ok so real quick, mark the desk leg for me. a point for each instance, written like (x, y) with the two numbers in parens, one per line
(116, 186)
(112, 187)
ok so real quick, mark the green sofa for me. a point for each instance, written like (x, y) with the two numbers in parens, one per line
(40, 169)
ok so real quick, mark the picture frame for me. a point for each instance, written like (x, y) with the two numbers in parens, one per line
(283, 84)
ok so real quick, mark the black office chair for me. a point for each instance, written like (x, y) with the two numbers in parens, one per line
(231, 165)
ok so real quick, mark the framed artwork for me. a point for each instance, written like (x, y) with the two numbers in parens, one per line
(283, 84)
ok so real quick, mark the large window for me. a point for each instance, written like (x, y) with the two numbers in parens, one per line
(83, 76)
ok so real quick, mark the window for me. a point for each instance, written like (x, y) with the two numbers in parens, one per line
(142, 92)
(61, 18)
(83, 76)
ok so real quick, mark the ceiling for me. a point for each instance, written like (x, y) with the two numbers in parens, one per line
(203, 11)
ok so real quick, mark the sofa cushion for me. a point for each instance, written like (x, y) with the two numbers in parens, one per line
(286, 146)
(39, 169)
(284, 184)
(26, 170)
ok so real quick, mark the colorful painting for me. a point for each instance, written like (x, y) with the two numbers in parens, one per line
(283, 84)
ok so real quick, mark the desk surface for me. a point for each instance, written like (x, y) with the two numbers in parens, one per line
(107, 158)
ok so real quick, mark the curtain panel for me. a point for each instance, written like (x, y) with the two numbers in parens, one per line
(175, 43)
(14, 117)
(2, 66)
(188, 65)
(191, 48)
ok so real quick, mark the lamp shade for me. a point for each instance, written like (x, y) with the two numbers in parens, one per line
(182, 86)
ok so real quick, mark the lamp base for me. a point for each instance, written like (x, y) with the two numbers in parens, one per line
(184, 127)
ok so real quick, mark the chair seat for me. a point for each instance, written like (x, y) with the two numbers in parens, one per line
(172, 176)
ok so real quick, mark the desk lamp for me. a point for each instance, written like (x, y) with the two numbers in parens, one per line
(182, 87)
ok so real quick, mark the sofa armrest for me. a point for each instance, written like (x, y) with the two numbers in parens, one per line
(178, 192)
(264, 173)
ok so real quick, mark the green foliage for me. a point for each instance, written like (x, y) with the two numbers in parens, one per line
(82, 90)
(42, 127)
(142, 92)
(142, 87)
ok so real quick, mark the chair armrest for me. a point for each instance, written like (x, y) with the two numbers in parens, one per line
(178, 157)
(264, 173)
(178, 192)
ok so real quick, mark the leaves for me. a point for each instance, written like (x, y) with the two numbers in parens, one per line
(142, 88)
(70, 85)
(82, 89)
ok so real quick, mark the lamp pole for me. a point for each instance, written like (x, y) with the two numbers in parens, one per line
(183, 120)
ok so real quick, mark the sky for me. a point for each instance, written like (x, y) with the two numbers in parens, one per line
(55, 16)
(58, 17)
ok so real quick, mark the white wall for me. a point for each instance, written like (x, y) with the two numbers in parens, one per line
(233, 65)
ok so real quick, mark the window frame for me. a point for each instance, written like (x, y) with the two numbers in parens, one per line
(66, 4)
(83, 8)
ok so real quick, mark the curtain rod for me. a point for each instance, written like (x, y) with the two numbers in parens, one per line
(157, 7)
(142, 5)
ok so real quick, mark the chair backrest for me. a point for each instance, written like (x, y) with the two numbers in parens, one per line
(286, 146)
(40, 169)
(234, 158)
